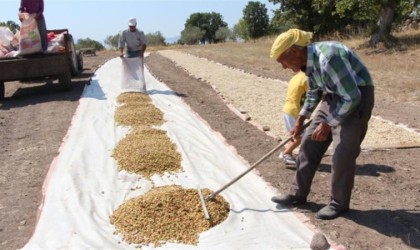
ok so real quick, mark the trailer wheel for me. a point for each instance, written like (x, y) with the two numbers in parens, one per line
(79, 60)
(65, 81)
(74, 67)
(1, 90)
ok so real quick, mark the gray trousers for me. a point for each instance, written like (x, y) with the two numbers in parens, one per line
(346, 139)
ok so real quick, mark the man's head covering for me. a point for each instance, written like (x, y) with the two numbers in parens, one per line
(132, 21)
(286, 39)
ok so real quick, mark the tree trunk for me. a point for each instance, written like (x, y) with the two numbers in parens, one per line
(386, 17)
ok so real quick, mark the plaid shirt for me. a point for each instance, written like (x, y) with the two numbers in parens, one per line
(332, 68)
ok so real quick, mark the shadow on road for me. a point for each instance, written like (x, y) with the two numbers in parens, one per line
(363, 170)
(403, 224)
(32, 94)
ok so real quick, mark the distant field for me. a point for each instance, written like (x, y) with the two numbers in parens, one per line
(396, 71)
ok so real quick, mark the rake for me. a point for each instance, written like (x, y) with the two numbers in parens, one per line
(212, 195)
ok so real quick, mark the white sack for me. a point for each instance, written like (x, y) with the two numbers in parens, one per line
(6, 35)
(30, 39)
(132, 79)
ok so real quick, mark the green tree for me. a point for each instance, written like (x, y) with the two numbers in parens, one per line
(216, 23)
(11, 25)
(279, 23)
(202, 22)
(222, 34)
(240, 30)
(155, 39)
(256, 19)
(380, 14)
(112, 41)
(306, 15)
(208, 23)
(191, 35)
(89, 43)
(234, 34)
(324, 16)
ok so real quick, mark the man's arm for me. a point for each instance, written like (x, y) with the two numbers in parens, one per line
(143, 40)
(297, 128)
(143, 49)
(121, 44)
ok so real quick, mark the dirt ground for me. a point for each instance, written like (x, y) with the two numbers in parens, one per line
(34, 119)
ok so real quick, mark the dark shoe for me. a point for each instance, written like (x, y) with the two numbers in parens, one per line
(288, 200)
(329, 213)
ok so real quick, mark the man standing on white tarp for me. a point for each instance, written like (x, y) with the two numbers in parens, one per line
(135, 43)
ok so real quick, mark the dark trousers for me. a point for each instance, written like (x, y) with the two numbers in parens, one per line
(346, 137)
(42, 27)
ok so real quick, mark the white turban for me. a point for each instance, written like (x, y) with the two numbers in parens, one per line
(132, 21)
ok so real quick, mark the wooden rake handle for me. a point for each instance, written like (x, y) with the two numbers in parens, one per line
(212, 195)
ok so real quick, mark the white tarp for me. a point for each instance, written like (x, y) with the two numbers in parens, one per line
(84, 187)
(132, 79)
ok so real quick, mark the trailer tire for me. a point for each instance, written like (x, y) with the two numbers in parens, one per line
(1, 90)
(65, 81)
(80, 60)
(74, 67)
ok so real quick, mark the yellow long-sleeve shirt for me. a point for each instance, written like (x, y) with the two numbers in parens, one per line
(297, 87)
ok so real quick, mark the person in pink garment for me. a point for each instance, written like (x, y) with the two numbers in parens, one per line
(36, 7)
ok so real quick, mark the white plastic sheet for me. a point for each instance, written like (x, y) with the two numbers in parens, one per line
(84, 185)
(133, 75)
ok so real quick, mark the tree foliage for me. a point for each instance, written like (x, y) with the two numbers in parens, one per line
(312, 15)
(112, 41)
(256, 19)
(223, 33)
(208, 23)
(326, 16)
(89, 43)
(11, 25)
(191, 35)
(155, 39)
(279, 23)
(240, 30)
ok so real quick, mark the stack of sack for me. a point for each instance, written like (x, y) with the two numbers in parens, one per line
(9, 42)
(28, 40)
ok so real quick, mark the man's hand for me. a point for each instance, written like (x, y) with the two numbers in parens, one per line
(20, 15)
(297, 128)
(321, 132)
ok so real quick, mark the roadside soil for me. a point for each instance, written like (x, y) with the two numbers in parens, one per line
(35, 117)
